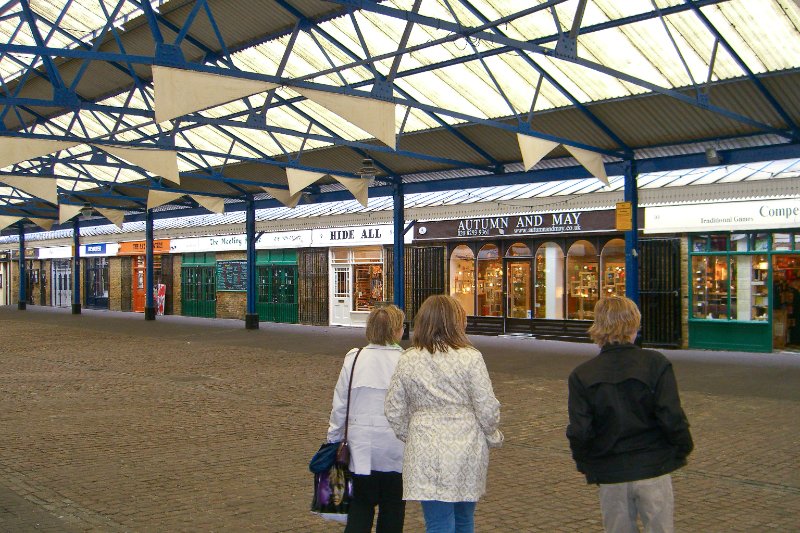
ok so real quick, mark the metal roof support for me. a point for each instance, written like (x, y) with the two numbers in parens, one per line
(22, 302)
(60, 92)
(149, 303)
(251, 316)
(481, 33)
(760, 86)
(399, 251)
(631, 195)
(76, 266)
(543, 74)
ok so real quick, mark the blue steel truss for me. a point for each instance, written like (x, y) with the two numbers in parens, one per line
(34, 114)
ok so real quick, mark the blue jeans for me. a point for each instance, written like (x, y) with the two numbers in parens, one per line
(448, 517)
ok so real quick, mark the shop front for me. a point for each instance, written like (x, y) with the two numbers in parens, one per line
(535, 274)
(5, 294)
(60, 274)
(743, 272)
(96, 273)
(162, 274)
(357, 270)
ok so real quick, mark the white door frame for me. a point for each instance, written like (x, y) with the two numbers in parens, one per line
(341, 295)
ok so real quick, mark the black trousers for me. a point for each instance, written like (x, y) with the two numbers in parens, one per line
(384, 489)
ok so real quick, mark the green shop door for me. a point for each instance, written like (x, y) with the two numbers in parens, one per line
(198, 286)
(277, 293)
(276, 286)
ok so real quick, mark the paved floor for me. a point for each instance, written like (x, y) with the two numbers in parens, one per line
(109, 423)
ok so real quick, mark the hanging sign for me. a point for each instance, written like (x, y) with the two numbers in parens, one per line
(624, 216)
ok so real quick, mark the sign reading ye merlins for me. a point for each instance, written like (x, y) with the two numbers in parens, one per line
(516, 225)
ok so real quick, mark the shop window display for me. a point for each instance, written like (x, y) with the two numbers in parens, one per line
(583, 281)
(612, 260)
(712, 299)
(548, 287)
(462, 277)
(490, 282)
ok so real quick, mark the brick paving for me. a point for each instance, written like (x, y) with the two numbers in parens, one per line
(110, 423)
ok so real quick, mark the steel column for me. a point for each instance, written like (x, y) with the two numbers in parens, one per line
(76, 267)
(251, 316)
(22, 302)
(632, 236)
(399, 248)
(149, 302)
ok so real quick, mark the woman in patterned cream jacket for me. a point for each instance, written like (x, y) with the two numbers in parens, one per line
(440, 402)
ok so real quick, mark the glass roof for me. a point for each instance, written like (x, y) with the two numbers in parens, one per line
(471, 77)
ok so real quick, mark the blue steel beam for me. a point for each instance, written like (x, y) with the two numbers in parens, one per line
(475, 32)
(327, 88)
(560, 88)
(749, 73)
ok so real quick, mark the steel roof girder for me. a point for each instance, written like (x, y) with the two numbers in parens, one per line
(385, 10)
(749, 73)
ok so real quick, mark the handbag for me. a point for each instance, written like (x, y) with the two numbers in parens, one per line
(333, 483)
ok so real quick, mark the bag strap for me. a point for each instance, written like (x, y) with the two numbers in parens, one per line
(349, 389)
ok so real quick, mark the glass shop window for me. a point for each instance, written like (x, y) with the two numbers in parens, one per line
(583, 281)
(490, 282)
(462, 277)
(612, 260)
(712, 288)
(548, 285)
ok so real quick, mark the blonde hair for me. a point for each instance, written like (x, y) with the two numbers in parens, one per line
(616, 320)
(439, 324)
(383, 324)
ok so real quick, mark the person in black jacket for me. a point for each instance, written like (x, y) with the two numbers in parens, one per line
(627, 430)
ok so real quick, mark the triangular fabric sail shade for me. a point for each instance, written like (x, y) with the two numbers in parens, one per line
(115, 216)
(215, 205)
(67, 211)
(284, 197)
(157, 198)
(591, 161)
(178, 91)
(6, 221)
(358, 186)
(533, 149)
(15, 149)
(44, 223)
(44, 188)
(300, 179)
(373, 116)
(162, 163)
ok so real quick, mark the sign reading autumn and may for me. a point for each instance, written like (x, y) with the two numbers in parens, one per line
(544, 223)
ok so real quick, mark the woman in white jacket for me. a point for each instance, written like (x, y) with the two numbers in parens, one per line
(376, 456)
(441, 404)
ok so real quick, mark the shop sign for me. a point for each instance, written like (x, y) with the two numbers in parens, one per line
(356, 236)
(99, 249)
(160, 246)
(220, 243)
(284, 239)
(727, 216)
(517, 225)
(56, 252)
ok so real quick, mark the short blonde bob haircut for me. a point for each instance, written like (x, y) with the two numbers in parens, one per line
(440, 325)
(616, 320)
(385, 325)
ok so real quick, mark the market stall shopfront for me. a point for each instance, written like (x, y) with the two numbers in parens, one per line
(162, 274)
(538, 274)
(743, 272)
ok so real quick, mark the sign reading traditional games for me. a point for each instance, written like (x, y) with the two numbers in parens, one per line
(231, 275)
(517, 225)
